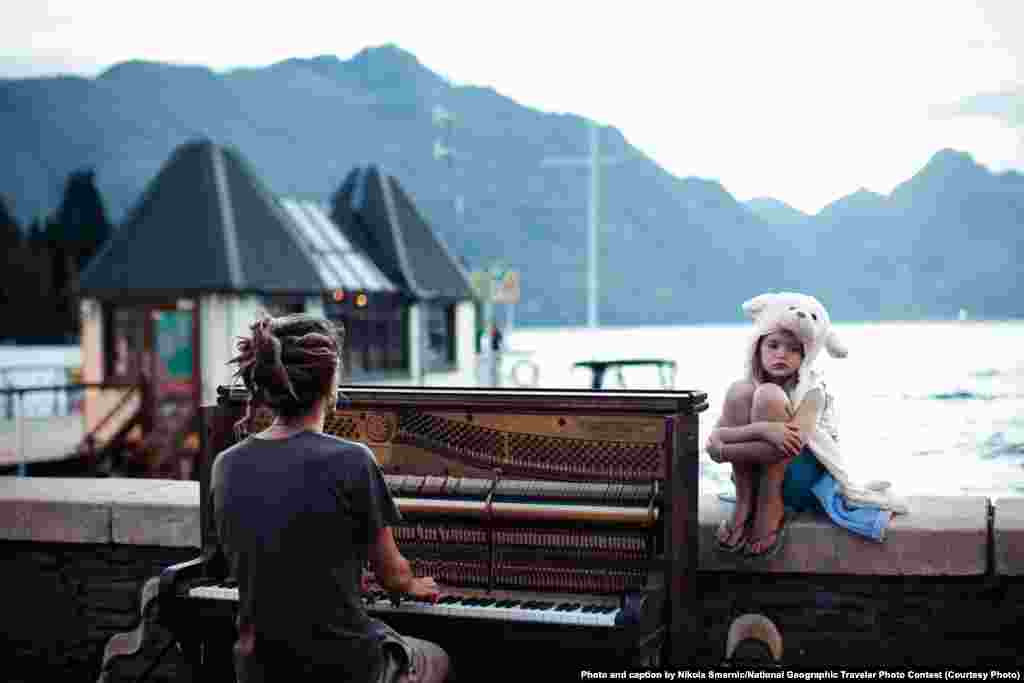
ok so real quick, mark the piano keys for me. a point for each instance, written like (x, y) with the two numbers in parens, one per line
(562, 519)
(507, 606)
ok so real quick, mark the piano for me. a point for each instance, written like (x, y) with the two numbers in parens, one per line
(557, 521)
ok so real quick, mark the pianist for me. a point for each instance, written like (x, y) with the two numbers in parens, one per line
(298, 513)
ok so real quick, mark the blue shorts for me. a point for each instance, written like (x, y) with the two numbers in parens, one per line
(802, 473)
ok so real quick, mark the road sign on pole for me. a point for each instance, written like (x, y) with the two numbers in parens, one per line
(507, 288)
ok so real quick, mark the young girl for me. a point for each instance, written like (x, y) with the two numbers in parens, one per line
(768, 419)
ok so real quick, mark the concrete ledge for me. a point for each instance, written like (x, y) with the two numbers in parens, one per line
(1008, 536)
(937, 537)
(167, 515)
(81, 510)
(56, 510)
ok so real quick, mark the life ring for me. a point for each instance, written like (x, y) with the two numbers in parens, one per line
(532, 373)
(754, 627)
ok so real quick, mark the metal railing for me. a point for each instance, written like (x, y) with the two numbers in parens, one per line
(14, 399)
(57, 380)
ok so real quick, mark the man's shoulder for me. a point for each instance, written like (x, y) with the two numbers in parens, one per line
(353, 452)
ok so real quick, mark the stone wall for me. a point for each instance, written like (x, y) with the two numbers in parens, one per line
(74, 554)
(945, 588)
(62, 602)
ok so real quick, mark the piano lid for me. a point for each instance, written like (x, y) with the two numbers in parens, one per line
(528, 400)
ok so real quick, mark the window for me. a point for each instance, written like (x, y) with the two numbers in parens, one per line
(439, 351)
(158, 338)
(124, 342)
(282, 304)
(375, 333)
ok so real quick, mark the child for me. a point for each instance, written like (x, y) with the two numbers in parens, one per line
(771, 421)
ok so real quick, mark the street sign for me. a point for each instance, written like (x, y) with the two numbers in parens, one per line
(507, 289)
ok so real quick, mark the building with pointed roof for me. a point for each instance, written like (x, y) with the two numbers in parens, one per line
(209, 247)
(204, 224)
(376, 214)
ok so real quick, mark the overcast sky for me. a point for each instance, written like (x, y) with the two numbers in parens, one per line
(801, 101)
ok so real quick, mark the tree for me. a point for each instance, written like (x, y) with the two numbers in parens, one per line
(81, 224)
(10, 231)
(10, 257)
(19, 281)
(73, 235)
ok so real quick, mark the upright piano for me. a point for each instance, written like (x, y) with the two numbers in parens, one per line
(557, 521)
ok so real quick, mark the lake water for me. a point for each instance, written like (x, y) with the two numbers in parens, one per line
(37, 366)
(937, 408)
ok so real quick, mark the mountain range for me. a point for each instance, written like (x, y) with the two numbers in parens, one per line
(673, 250)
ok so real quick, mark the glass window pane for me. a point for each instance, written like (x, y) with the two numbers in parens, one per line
(309, 233)
(367, 274)
(331, 231)
(349, 280)
(129, 339)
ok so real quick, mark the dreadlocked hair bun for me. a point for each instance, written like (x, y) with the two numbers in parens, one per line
(290, 362)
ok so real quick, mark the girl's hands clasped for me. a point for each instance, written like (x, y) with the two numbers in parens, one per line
(786, 437)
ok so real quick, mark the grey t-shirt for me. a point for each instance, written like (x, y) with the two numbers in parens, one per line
(295, 518)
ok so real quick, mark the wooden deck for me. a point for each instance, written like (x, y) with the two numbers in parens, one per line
(45, 439)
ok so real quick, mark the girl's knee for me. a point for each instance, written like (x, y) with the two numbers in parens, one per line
(738, 401)
(769, 402)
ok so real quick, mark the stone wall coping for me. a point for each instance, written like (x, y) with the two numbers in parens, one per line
(940, 536)
(114, 510)
(1008, 536)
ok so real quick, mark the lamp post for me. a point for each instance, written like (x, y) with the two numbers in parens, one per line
(594, 160)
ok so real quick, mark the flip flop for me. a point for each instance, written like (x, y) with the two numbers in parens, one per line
(773, 549)
(734, 547)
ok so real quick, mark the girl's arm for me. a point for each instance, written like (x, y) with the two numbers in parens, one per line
(808, 413)
(805, 418)
(785, 439)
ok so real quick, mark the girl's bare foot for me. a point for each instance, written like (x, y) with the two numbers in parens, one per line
(732, 533)
(767, 525)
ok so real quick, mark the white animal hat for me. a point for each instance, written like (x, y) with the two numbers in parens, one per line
(802, 315)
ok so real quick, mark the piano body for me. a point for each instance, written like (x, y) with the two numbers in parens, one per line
(552, 519)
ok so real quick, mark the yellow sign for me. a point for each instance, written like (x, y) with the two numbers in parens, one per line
(507, 289)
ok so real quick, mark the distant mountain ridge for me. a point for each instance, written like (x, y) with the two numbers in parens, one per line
(947, 238)
(773, 210)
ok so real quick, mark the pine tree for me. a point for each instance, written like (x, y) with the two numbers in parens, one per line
(81, 221)
(73, 235)
(10, 257)
(21, 314)
(10, 231)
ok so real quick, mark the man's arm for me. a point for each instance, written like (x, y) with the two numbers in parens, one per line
(393, 570)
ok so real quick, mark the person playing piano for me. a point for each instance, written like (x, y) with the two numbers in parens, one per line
(298, 513)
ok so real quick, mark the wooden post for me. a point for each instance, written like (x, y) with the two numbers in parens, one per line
(682, 537)
(19, 434)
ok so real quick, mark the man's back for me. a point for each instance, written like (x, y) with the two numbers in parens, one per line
(295, 517)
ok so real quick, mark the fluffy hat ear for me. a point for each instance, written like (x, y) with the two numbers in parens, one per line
(755, 306)
(835, 346)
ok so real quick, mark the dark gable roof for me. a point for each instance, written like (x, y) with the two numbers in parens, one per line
(375, 212)
(205, 223)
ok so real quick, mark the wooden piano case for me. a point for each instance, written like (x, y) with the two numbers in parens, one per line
(550, 492)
